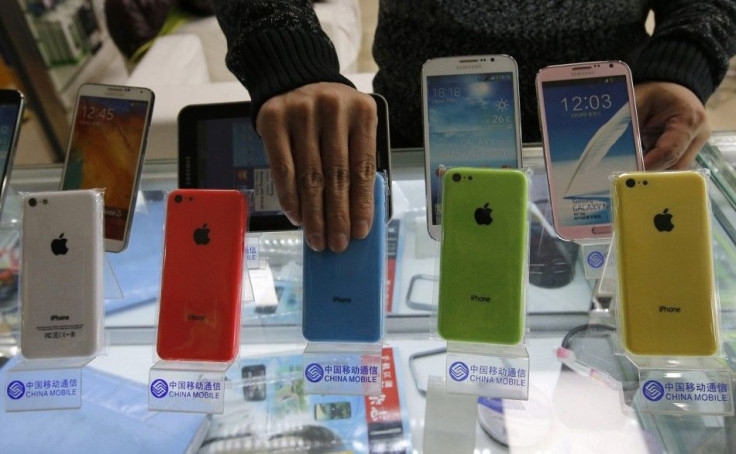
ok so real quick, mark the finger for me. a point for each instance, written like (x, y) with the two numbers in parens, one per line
(309, 177)
(686, 160)
(670, 146)
(271, 126)
(335, 165)
(362, 143)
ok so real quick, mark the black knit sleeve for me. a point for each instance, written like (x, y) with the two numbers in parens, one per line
(691, 44)
(275, 46)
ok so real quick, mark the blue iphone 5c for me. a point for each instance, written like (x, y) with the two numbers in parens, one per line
(344, 292)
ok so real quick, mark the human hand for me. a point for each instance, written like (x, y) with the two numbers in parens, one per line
(321, 146)
(672, 123)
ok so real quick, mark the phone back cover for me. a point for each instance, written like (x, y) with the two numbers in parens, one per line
(199, 316)
(483, 256)
(61, 274)
(665, 264)
(343, 292)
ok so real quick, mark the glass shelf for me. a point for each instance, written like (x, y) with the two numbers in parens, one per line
(566, 410)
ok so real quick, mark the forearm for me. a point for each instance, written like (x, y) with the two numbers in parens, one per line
(691, 44)
(275, 46)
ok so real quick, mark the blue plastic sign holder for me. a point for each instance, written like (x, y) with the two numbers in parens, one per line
(342, 369)
(594, 254)
(684, 386)
(44, 384)
(489, 370)
(193, 387)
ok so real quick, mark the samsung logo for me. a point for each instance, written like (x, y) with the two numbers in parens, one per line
(469, 67)
(188, 170)
(583, 73)
(55, 317)
(339, 299)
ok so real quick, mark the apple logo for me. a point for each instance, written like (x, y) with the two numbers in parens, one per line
(663, 221)
(483, 215)
(202, 235)
(58, 245)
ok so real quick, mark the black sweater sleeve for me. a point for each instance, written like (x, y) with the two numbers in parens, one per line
(275, 46)
(691, 44)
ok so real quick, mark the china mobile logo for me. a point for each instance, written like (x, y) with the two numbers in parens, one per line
(314, 372)
(459, 371)
(653, 390)
(596, 259)
(16, 390)
(159, 388)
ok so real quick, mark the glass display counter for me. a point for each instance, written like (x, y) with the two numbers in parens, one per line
(570, 409)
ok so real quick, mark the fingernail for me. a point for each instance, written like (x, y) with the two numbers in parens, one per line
(316, 241)
(338, 242)
(362, 229)
(292, 217)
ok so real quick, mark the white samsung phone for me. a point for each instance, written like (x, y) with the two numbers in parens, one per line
(471, 119)
(590, 131)
(61, 284)
(106, 149)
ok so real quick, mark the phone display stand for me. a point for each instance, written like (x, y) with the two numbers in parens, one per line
(44, 384)
(275, 282)
(593, 253)
(198, 386)
(342, 368)
(10, 229)
(251, 256)
(183, 386)
(490, 370)
(486, 369)
(683, 386)
(604, 290)
(10, 264)
(675, 385)
(345, 297)
(49, 380)
(11, 208)
(111, 286)
(259, 288)
(252, 261)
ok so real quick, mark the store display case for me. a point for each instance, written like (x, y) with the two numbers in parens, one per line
(578, 404)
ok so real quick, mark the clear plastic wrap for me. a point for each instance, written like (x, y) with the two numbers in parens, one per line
(344, 308)
(199, 315)
(666, 298)
(483, 278)
(61, 298)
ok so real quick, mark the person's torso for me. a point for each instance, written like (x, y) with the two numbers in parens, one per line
(536, 33)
